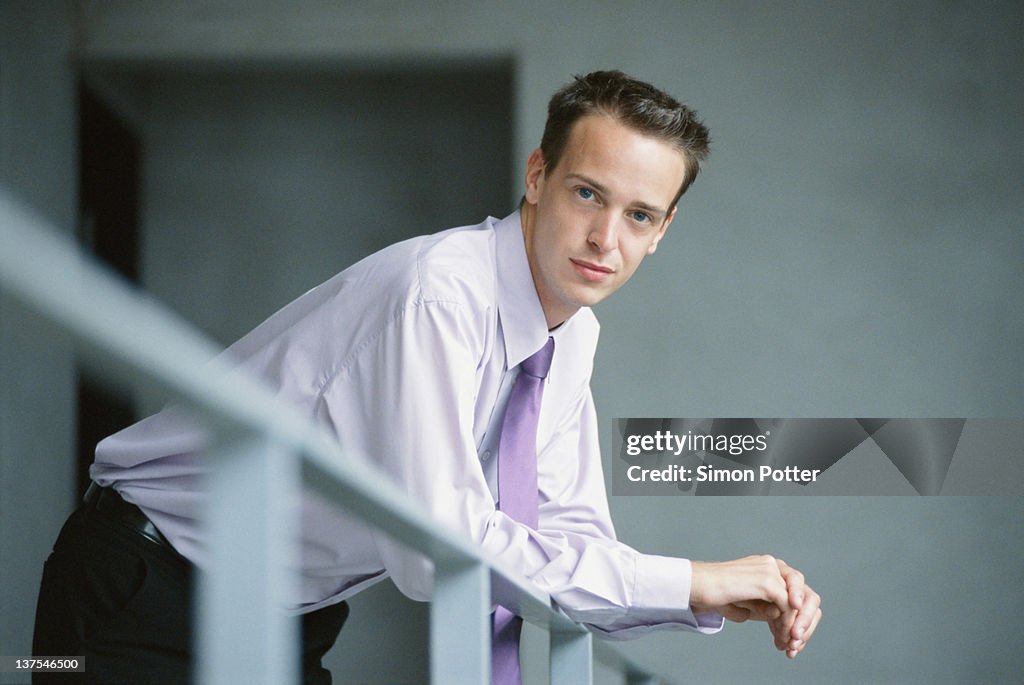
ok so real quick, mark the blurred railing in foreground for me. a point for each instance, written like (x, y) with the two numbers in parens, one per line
(263, 450)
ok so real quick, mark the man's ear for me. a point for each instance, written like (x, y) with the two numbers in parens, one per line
(661, 232)
(534, 176)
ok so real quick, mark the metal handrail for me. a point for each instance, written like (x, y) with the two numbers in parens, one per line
(109, 320)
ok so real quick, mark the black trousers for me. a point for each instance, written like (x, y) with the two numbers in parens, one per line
(124, 602)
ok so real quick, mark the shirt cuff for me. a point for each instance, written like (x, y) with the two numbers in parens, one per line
(662, 590)
(662, 583)
(660, 600)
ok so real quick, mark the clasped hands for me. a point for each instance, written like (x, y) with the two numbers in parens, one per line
(759, 588)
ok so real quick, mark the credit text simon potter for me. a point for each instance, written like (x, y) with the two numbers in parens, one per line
(662, 442)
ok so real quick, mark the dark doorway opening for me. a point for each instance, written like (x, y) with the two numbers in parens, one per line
(108, 226)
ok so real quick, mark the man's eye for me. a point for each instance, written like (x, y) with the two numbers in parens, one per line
(585, 193)
(641, 217)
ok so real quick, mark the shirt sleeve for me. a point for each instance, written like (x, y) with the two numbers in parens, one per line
(407, 402)
(617, 591)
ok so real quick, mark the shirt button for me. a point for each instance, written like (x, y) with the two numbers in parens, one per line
(486, 455)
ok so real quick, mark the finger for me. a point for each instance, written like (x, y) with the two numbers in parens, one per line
(784, 630)
(798, 645)
(807, 615)
(776, 587)
(779, 634)
(795, 583)
(734, 613)
(814, 626)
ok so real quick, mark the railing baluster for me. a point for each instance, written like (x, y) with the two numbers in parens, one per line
(460, 637)
(244, 636)
(572, 658)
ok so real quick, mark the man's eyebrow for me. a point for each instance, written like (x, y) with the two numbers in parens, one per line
(654, 210)
(589, 181)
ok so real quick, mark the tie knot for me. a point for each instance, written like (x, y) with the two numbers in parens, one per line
(538, 364)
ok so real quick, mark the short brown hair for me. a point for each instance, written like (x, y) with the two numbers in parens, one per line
(636, 104)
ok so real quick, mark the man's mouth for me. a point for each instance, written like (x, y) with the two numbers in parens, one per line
(591, 271)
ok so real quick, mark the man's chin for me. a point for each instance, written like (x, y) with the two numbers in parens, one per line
(590, 297)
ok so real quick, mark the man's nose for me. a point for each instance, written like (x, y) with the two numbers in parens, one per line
(604, 232)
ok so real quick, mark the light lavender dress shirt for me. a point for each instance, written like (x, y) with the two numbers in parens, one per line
(408, 357)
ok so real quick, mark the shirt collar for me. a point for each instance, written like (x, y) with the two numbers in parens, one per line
(522, 318)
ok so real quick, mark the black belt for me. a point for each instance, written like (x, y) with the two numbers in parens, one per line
(109, 503)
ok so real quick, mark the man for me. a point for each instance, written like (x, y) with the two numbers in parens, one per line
(415, 357)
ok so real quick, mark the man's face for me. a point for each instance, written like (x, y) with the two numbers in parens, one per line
(589, 222)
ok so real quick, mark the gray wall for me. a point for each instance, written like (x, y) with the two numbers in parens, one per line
(853, 249)
(259, 184)
(37, 369)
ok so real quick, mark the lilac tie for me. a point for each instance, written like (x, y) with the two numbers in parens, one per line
(517, 492)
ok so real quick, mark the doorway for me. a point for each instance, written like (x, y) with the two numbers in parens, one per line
(109, 154)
